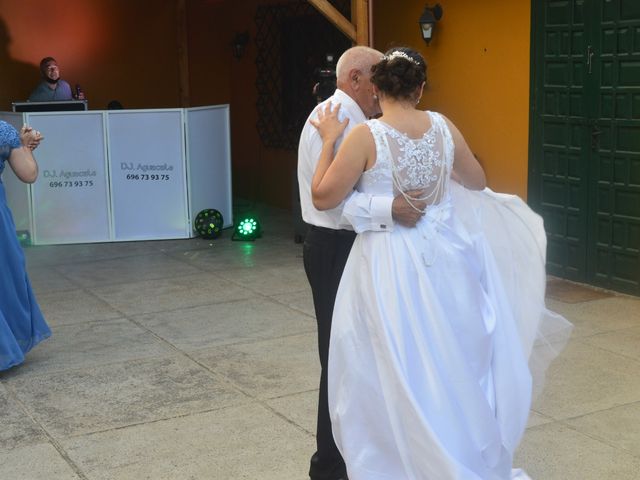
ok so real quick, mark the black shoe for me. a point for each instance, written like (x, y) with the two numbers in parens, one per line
(341, 478)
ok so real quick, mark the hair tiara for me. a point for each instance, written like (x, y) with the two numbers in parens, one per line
(400, 54)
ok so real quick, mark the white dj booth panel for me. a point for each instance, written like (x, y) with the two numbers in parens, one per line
(209, 153)
(70, 199)
(122, 175)
(148, 175)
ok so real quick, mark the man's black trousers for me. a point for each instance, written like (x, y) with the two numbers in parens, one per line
(325, 254)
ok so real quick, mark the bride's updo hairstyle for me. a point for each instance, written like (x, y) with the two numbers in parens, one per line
(400, 73)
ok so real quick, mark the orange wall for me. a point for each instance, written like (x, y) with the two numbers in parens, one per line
(259, 173)
(478, 75)
(210, 60)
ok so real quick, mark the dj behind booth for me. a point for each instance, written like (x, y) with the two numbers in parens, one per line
(53, 88)
(52, 94)
(117, 174)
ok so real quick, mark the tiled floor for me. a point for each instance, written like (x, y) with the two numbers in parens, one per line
(194, 359)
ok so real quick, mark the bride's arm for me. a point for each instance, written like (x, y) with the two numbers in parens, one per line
(466, 168)
(335, 178)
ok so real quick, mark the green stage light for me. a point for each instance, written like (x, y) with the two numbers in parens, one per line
(247, 229)
(23, 237)
(208, 223)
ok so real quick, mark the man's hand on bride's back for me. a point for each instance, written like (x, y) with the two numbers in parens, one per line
(328, 124)
(406, 214)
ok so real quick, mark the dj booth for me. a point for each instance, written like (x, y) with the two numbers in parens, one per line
(120, 175)
(58, 106)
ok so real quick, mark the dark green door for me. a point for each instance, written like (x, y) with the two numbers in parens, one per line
(585, 138)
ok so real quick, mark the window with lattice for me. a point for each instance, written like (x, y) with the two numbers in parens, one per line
(293, 40)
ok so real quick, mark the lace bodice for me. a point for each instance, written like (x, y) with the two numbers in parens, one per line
(404, 163)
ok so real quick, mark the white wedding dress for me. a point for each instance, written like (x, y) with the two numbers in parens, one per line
(440, 332)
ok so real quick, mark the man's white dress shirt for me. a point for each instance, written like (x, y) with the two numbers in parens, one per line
(359, 211)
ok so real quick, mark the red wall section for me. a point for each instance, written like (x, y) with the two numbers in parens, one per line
(129, 50)
(116, 49)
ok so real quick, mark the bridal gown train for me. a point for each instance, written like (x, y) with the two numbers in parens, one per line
(440, 333)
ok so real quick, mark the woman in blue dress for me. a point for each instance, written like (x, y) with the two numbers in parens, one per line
(22, 325)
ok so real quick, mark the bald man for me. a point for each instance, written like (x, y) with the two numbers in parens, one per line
(332, 232)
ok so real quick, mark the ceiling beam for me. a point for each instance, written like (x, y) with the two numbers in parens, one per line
(361, 21)
(358, 33)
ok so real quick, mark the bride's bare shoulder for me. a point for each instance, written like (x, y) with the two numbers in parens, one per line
(361, 131)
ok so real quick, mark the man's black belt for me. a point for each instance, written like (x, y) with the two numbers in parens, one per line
(331, 231)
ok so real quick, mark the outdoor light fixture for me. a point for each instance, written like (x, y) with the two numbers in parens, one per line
(247, 229)
(239, 43)
(428, 21)
(208, 223)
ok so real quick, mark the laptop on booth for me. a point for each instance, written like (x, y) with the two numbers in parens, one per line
(60, 106)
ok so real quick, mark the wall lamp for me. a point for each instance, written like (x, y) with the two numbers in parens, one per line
(239, 44)
(428, 20)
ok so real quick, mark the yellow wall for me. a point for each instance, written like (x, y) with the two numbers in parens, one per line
(478, 75)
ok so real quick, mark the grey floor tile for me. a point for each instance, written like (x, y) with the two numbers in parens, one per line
(300, 300)
(74, 306)
(82, 401)
(125, 270)
(240, 255)
(270, 368)
(618, 427)
(598, 316)
(92, 344)
(16, 428)
(623, 342)
(585, 379)
(35, 462)
(270, 280)
(555, 452)
(47, 279)
(536, 419)
(300, 408)
(171, 293)
(247, 442)
(225, 323)
(183, 245)
(276, 253)
(78, 253)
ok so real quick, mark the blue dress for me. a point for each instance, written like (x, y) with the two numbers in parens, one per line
(22, 325)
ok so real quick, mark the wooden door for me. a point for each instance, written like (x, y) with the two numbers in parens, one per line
(585, 138)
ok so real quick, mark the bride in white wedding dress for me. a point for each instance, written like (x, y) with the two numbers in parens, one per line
(440, 332)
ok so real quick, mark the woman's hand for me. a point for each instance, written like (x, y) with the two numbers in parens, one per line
(29, 137)
(329, 126)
